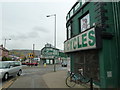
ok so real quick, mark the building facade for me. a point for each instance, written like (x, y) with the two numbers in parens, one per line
(3, 52)
(93, 41)
(0, 53)
(49, 54)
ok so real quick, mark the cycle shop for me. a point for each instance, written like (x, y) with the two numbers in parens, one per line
(93, 41)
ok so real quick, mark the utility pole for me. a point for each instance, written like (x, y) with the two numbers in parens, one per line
(54, 38)
(55, 44)
(33, 50)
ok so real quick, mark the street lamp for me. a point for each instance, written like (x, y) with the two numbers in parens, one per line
(54, 37)
(5, 42)
(55, 28)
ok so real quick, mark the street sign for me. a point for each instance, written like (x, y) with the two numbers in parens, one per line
(31, 55)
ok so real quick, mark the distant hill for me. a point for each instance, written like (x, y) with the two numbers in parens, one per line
(23, 52)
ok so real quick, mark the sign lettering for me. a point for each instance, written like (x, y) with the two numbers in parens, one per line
(85, 40)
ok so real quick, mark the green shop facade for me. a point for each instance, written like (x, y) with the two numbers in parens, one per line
(93, 41)
(51, 55)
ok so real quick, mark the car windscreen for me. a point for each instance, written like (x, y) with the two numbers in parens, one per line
(4, 65)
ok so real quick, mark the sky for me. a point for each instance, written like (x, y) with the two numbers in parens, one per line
(25, 23)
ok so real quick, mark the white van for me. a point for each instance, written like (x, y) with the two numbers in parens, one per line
(10, 68)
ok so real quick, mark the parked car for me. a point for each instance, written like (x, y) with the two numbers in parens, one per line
(64, 64)
(23, 63)
(32, 64)
(10, 68)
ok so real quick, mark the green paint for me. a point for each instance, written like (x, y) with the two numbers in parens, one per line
(74, 43)
(84, 39)
(109, 54)
(78, 40)
(70, 45)
(91, 36)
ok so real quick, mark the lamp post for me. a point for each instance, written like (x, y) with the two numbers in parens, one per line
(54, 38)
(5, 42)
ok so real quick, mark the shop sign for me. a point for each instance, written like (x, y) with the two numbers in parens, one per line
(83, 41)
(49, 51)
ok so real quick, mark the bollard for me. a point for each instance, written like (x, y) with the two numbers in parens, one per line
(38, 65)
(44, 64)
(91, 84)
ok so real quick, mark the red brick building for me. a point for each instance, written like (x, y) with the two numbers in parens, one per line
(0, 52)
(3, 52)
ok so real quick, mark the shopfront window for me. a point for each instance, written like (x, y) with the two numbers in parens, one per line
(85, 22)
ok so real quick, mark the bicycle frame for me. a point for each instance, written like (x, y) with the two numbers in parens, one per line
(80, 78)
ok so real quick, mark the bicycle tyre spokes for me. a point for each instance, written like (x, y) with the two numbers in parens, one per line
(70, 81)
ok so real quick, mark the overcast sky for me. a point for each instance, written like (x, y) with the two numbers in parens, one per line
(25, 22)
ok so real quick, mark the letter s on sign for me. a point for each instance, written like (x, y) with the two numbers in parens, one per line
(91, 36)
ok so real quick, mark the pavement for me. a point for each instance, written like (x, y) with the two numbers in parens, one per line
(36, 79)
(57, 80)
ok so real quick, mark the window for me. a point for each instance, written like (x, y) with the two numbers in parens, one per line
(69, 31)
(17, 63)
(83, 1)
(67, 18)
(85, 22)
(11, 64)
(77, 6)
(71, 12)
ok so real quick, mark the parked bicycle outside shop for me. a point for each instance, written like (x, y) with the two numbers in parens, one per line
(76, 78)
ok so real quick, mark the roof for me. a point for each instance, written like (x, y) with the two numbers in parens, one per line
(4, 49)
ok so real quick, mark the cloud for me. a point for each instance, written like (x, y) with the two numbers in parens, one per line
(40, 29)
(25, 36)
(33, 35)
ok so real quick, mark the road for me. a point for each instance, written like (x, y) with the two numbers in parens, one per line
(32, 77)
(4, 84)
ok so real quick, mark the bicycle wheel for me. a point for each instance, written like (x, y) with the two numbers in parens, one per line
(84, 79)
(70, 81)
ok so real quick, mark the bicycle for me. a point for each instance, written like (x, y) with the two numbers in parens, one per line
(73, 78)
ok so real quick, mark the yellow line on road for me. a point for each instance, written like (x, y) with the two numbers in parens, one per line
(7, 84)
(10, 82)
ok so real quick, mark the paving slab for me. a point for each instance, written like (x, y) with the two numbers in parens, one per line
(57, 80)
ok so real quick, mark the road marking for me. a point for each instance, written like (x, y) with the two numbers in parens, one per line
(9, 83)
